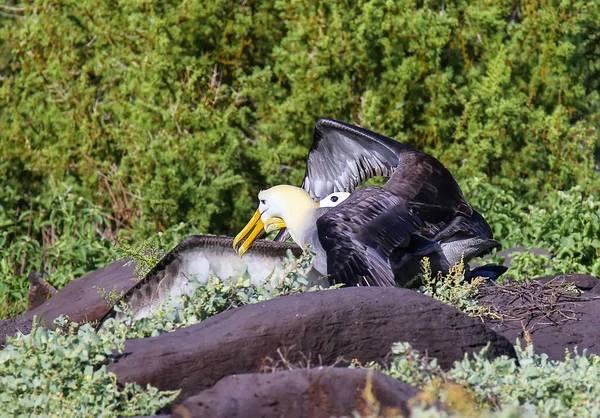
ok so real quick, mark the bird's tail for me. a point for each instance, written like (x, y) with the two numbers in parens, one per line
(491, 271)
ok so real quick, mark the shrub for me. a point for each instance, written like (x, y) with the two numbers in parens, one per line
(61, 235)
(62, 373)
(182, 110)
(567, 223)
(149, 115)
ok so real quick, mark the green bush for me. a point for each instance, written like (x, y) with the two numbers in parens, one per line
(59, 234)
(156, 114)
(182, 110)
(567, 223)
(153, 114)
(61, 373)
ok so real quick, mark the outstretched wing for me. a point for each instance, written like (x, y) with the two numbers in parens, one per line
(359, 235)
(342, 156)
(431, 189)
(195, 258)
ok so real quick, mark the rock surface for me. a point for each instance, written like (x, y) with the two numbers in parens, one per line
(9, 327)
(315, 328)
(315, 393)
(81, 300)
(581, 281)
(553, 316)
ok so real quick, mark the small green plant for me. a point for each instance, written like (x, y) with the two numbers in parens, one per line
(145, 256)
(452, 289)
(110, 297)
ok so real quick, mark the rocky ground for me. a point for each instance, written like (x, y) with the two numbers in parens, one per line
(289, 356)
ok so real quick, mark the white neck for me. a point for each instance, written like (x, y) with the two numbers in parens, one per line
(300, 223)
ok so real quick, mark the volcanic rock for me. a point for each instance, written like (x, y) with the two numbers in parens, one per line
(314, 328)
(316, 393)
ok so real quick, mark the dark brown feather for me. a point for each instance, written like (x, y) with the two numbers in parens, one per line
(359, 236)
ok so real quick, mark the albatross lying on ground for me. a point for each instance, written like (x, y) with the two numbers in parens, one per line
(378, 233)
(190, 264)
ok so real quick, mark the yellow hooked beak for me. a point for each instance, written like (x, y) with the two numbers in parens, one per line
(253, 230)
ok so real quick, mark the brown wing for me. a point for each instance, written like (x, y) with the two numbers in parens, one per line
(360, 234)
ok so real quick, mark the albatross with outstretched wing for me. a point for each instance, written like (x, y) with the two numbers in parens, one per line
(366, 238)
(343, 156)
(421, 200)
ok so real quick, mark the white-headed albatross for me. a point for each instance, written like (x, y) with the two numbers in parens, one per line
(364, 238)
(342, 156)
(421, 199)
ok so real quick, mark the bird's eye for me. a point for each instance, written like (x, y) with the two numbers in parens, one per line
(264, 202)
(334, 199)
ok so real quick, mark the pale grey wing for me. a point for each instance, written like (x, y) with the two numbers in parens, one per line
(359, 236)
(192, 261)
(342, 156)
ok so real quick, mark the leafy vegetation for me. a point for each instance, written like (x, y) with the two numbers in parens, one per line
(475, 386)
(63, 236)
(567, 223)
(62, 373)
(121, 121)
(453, 289)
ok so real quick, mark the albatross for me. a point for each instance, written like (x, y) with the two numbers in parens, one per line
(377, 234)
(363, 238)
(342, 156)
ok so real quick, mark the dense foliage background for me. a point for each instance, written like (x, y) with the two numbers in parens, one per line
(121, 119)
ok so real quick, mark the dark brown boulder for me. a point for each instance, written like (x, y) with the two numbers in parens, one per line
(81, 300)
(581, 281)
(10, 327)
(324, 327)
(508, 254)
(315, 393)
(39, 290)
(547, 312)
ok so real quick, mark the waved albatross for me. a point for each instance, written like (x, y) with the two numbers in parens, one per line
(429, 201)
(342, 156)
(368, 237)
